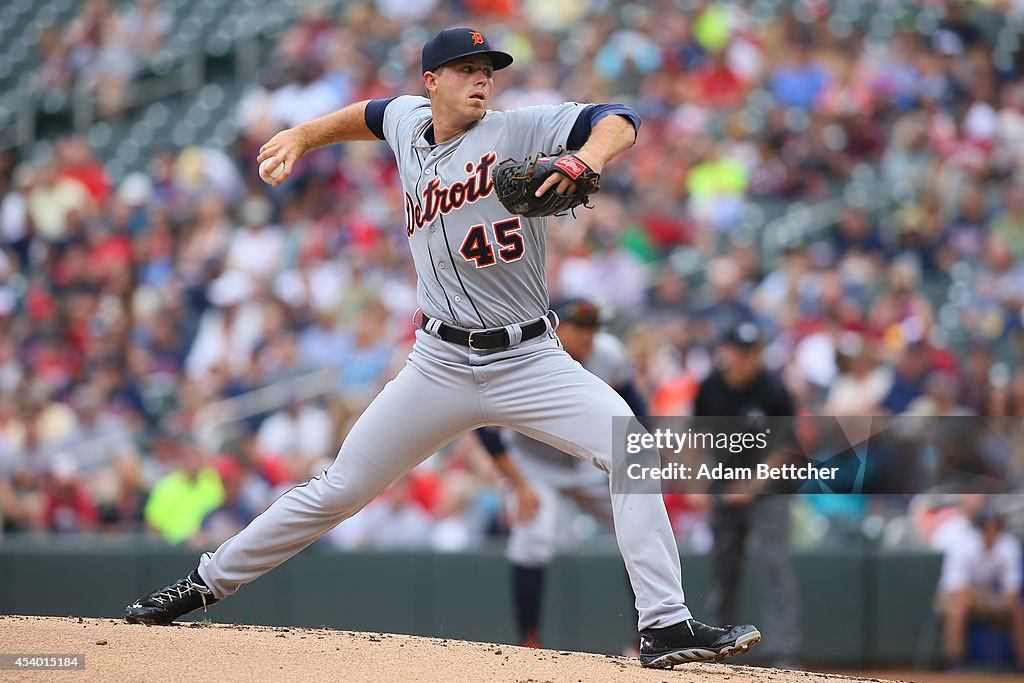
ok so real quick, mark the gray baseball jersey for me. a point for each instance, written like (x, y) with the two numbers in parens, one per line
(478, 265)
(553, 474)
(543, 464)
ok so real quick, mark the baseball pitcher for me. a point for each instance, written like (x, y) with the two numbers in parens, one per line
(485, 351)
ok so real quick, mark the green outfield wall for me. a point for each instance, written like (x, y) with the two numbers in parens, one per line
(859, 607)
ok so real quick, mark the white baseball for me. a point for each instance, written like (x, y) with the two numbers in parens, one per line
(269, 174)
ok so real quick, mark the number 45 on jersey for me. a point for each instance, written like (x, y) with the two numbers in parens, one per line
(478, 248)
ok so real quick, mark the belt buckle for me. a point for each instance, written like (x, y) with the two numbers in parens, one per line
(469, 341)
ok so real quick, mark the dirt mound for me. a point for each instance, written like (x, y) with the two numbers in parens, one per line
(116, 651)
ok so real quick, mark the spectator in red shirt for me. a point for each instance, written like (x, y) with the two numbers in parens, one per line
(68, 507)
(715, 85)
(75, 160)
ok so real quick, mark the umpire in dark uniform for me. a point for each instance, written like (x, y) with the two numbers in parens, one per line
(741, 386)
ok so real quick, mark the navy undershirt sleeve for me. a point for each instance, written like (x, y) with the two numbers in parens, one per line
(374, 116)
(634, 400)
(491, 441)
(589, 117)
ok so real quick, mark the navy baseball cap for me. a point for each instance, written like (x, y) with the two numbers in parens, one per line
(453, 43)
(987, 514)
(745, 335)
(578, 311)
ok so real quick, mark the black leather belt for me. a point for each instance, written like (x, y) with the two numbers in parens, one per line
(484, 340)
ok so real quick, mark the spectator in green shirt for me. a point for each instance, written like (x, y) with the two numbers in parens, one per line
(180, 501)
(1009, 225)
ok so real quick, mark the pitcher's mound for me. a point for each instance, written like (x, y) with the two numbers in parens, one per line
(116, 651)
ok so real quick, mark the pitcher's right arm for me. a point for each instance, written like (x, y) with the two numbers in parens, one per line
(288, 146)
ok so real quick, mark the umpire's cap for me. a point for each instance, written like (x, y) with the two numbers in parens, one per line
(745, 335)
(578, 311)
(454, 43)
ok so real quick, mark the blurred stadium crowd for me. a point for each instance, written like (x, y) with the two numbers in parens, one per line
(889, 153)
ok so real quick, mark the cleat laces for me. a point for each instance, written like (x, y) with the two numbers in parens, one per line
(180, 590)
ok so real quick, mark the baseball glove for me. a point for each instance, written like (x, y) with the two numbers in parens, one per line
(516, 183)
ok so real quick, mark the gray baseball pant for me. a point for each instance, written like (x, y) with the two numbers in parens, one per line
(533, 543)
(444, 391)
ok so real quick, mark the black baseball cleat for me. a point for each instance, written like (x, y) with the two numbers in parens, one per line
(170, 602)
(691, 641)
